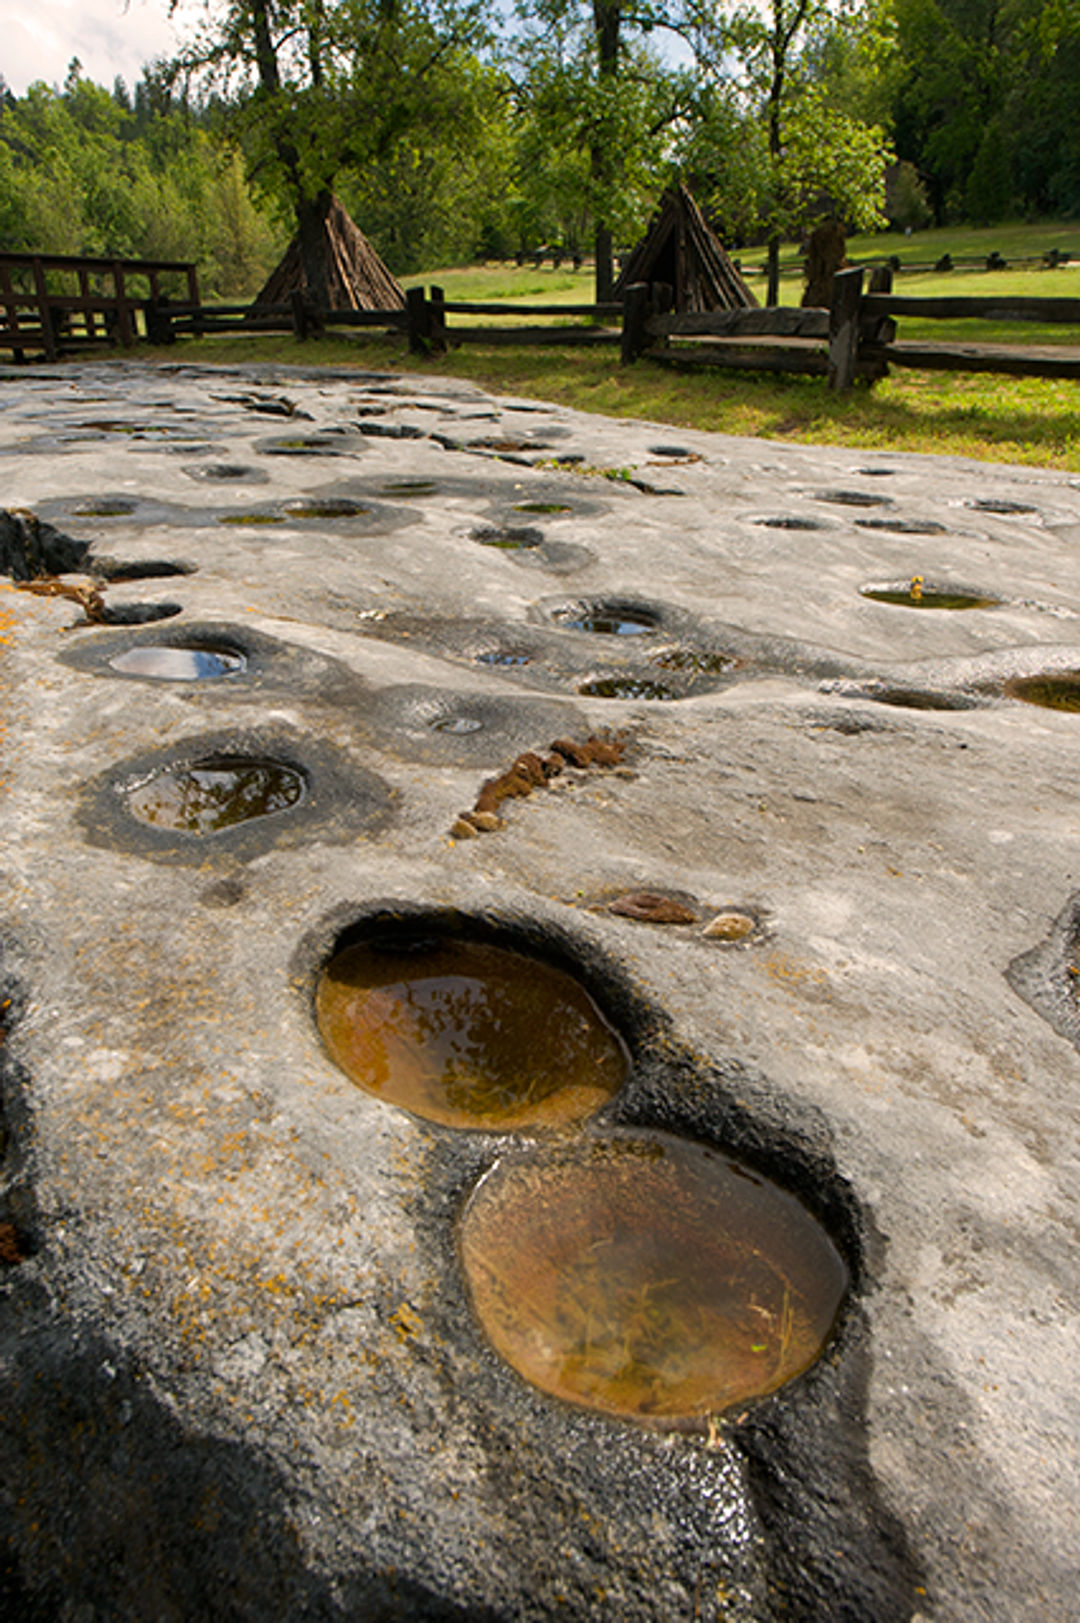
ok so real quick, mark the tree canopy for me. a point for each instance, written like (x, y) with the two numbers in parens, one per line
(452, 132)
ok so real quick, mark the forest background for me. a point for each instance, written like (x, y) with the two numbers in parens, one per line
(453, 137)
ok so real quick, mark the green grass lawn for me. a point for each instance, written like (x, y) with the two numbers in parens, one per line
(1024, 420)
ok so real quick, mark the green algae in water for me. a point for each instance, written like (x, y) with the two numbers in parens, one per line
(169, 664)
(409, 487)
(250, 518)
(468, 1034)
(542, 507)
(207, 796)
(918, 596)
(1061, 692)
(641, 1275)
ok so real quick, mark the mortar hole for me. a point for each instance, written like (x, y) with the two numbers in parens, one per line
(626, 687)
(1060, 692)
(467, 1033)
(917, 595)
(206, 796)
(645, 1276)
(196, 663)
(608, 619)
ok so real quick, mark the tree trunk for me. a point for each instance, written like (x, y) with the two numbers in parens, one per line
(772, 293)
(605, 265)
(607, 17)
(315, 246)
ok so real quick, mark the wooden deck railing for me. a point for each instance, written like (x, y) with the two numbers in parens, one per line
(41, 314)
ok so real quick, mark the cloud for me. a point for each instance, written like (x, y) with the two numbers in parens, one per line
(109, 37)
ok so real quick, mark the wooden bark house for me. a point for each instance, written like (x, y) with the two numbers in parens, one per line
(356, 277)
(681, 251)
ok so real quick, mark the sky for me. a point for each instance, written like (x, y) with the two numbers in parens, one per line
(38, 38)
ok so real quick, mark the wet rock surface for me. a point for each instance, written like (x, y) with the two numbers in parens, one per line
(241, 1371)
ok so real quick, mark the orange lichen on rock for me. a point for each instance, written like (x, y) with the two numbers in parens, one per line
(531, 771)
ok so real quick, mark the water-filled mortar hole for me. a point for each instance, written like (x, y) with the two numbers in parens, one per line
(608, 618)
(191, 662)
(467, 1029)
(324, 507)
(215, 792)
(648, 1276)
(852, 498)
(627, 687)
(919, 594)
(1060, 691)
(508, 537)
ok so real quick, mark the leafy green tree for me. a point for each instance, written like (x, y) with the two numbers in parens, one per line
(596, 114)
(784, 153)
(319, 87)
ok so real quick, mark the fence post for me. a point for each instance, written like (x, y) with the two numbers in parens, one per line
(437, 320)
(416, 307)
(193, 295)
(159, 327)
(635, 313)
(125, 326)
(844, 327)
(48, 331)
(85, 295)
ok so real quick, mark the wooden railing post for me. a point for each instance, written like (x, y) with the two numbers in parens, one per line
(48, 331)
(636, 307)
(419, 319)
(437, 321)
(85, 295)
(844, 327)
(125, 325)
(159, 327)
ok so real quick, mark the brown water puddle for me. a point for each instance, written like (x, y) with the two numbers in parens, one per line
(649, 1277)
(468, 1034)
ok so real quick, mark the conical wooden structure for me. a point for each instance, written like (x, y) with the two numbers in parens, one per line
(681, 250)
(356, 277)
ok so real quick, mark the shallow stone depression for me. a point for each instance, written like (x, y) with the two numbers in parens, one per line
(206, 796)
(1052, 692)
(917, 594)
(608, 618)
(194, 662)
(468, 1033)
(628, 687)
(625, 1270)
(646, 1276)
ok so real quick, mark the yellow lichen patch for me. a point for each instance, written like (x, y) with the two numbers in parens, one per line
(406, 1321)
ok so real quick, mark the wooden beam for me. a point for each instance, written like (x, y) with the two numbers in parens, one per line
(636, 306)
(1003, 308)
(579, 337)
(844, 328)
(778, 321)
(1042, 362)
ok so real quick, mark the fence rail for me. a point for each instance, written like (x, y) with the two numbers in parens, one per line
(40, 315)
(856, 337)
